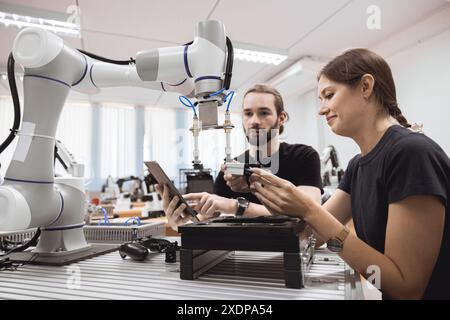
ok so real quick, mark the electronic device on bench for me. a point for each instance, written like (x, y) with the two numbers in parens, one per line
(205, 244)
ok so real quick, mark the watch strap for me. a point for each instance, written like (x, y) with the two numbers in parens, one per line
(240, 211)
(241, 208)
(343, 234)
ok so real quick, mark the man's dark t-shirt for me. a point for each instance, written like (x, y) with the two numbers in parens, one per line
(298, 163)
(402, 164)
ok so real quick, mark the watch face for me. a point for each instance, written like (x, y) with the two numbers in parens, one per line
(242, 202)
(334, 245)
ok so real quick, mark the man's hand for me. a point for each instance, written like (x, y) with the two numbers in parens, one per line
(211, 205)
(173, 213)
(236, 183)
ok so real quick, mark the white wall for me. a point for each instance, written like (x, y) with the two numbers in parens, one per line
(303, 123)
(422, 76)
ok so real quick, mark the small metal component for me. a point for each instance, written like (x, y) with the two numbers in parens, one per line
(196, 128)
(227, 126)
(171, 253)
(235, 168)
(207, 111)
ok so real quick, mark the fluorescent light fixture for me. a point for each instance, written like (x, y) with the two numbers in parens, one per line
(259, 56)
(4, 76)
(301, 75)
(58, 27)
(287, 73)
(21, 17)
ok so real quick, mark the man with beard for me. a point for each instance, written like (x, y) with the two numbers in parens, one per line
(263, 119)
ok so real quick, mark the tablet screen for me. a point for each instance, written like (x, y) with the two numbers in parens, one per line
(160, 176)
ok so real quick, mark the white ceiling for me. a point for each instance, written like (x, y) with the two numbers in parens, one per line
(118, 29)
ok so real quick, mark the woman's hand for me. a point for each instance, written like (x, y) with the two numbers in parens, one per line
(279, 196)
(211, 205)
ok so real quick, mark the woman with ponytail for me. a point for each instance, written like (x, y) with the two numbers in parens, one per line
(396, 190)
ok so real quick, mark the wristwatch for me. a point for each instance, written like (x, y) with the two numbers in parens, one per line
(242, 205)
(336, 244)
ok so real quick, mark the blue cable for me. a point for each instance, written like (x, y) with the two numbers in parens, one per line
(105, 214)
(133, 219)
(217, 92)
(229, 95)
(189, 103)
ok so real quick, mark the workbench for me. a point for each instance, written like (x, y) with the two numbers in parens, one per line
(242, 276)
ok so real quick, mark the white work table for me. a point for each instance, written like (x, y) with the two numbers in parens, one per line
(243, 276)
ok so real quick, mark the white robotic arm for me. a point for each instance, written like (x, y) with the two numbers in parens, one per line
(104, 75)
(30, 195)
(195, 69)
(329, 155)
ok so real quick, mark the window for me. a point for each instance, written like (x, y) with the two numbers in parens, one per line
(117, 141)
(160, 142)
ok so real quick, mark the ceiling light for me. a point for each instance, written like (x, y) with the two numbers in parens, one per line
(4, 76)
(293, 70)
(259, 56)
(307, 67)
(59, 27)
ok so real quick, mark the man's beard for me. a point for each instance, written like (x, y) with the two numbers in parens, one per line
(258, 137)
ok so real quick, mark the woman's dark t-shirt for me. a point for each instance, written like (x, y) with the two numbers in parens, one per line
(402, 164)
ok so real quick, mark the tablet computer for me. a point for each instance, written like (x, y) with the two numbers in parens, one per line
(160, 176)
